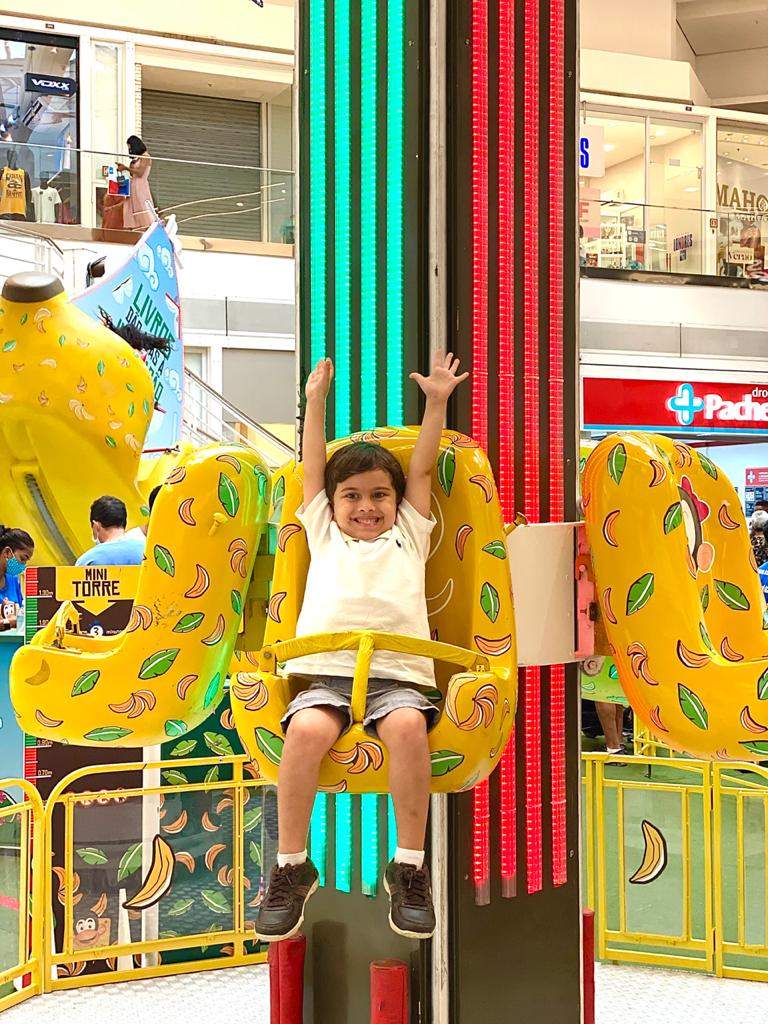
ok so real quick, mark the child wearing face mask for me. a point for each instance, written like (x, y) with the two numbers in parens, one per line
(368, 529)
(16, 549)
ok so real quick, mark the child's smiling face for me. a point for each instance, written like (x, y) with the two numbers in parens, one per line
(365, 505)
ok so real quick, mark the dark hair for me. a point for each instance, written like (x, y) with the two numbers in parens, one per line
(361, 457)
(15, 539)
(152, 496)
(135, 146)
(109, 512)
(138, 339)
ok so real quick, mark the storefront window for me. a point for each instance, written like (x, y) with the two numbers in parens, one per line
(742, 202)
(675, 217)
(39, 163)
(612, 193)
(641, 198)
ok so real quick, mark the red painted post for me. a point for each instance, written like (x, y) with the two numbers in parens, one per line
(390, 997)
(588, 953)
(286, 980)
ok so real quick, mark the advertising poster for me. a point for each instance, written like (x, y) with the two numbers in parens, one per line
(144, 291)
(106, 830)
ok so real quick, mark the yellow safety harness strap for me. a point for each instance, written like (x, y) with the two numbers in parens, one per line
(366, 642)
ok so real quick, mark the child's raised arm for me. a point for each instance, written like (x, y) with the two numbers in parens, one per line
(438, 387)
(313, 439)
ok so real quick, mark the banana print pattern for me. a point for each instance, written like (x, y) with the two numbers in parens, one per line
(654, 855)
(680, 596)
(165, 673)
(469, 599)
(72, 394)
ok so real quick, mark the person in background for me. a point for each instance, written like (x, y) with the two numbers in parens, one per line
(612, 720)
(137, 215)
(16, 549)
(140, 532)
(108, 521)
(758, 524)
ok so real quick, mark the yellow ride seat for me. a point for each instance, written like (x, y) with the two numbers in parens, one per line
(469, 599)
(680, 596)
(165, 673)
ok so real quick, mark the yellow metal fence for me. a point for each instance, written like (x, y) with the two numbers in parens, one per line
(676, 862)
(137, 849)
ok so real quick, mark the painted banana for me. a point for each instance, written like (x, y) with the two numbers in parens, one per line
(654, 855)
(159, 877)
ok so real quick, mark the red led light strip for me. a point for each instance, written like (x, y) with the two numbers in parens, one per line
(556, 496)
(480, 806)
(532, 676)
(506, 474)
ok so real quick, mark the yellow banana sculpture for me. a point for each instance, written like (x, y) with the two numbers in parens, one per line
(469, 600)
(680, 596)
(73, 396)
(165, 673)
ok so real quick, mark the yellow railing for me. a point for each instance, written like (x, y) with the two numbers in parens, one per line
(676, 862)
(22, 824)
(61, 968)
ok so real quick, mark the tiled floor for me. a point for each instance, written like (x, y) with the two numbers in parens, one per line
(644, 995)
(239, 996)
(630, 995)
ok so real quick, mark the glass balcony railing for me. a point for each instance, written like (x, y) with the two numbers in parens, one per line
(115, 193)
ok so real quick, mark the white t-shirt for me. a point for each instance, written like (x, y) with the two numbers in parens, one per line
(376, 585)
(45, 201)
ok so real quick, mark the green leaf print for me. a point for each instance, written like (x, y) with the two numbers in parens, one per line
(129, 862)
(175, 727)
(216, 901)
(164, 560)
(107, 734)
(228, 496)
(617, 462)
(489, 601)
(762, 686)
(213, 690)
(183, 749)
(269, 744)
(496, 548)
(756, 746)
(444, 761)
(673, 517)
(188, 622)
(180, 907)
(692, 707)
(92, 855)
(86, 682)
(174, 777)
(446, 469)
(707, 465)
(640, 593)
(157, 664)
(732, 595)
(237, 602)
(218, 744)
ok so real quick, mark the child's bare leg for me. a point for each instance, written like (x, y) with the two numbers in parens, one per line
(404, 732)
(311, 734)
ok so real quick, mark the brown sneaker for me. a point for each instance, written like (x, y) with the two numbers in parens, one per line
(411, 912)
(281, 913)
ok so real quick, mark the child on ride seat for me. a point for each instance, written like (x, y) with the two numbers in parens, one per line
(368, 530)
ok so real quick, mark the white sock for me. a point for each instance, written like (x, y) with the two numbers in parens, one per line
(415, 857)
(284, 859)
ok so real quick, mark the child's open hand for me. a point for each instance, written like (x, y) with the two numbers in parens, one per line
(319, 381)
(443, 379)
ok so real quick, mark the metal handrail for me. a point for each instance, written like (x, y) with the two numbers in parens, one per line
(237, 413)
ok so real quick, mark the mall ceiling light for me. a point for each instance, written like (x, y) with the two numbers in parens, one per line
(691, 188)
(609, 147)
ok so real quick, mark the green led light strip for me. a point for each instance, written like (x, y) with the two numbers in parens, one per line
(395, 169)
(342, 221)
(369, 844)
(368, 221)
(391, 829)
(344, 842)
(318, 835)
(317, 193)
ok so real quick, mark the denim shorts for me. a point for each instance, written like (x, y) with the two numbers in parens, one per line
(384, 696)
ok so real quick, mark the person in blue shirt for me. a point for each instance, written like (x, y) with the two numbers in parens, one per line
(108, 521)
(16, 549)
